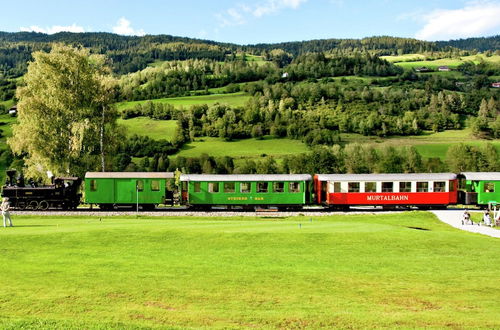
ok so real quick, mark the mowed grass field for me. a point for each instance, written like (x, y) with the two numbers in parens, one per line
(233, 99)
(247, 148)
(400, 270)
(145, 126)
(418, 60)
(429, 144)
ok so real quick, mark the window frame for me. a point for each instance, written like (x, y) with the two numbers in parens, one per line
(93, 185)
(291, 188)
(405, 186)
(155, 185)
(228, 190)
(259, 189)
(419, 188)
(384, 190)
(441, 188)
(139, 185)
(279, 191)
(212, 185)
(374, 190)
(242, 184)
(196, 187)
(353, 187)
(489, 184)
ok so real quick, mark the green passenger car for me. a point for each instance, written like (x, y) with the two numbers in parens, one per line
(482, 188)
(110, 189)
(246, 189)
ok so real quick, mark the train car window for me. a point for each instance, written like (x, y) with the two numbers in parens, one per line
(370, 187)
(489, 187)
(213, 187)
(279, 187)
(245, 187)
(197, 187)
(353, 187)
(336, 187)
(139, 184)
(387, 186)
(229, 187)
(294, 187)
(405, 187)
(155, 185)
(452, 185)
(93, 185)
(422, 186)
(439, 186)
(262, 187)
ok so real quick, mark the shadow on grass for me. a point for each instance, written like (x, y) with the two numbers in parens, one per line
(419, 228)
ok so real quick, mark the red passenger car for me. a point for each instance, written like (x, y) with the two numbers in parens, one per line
(424, 190)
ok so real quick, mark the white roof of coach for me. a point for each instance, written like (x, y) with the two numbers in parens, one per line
(129, 175)
(246, 177)
(388, 177)
(493, 176)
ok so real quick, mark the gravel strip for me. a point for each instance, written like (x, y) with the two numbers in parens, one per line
(186, 213)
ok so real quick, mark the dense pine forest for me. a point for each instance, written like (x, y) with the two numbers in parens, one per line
(311, 91)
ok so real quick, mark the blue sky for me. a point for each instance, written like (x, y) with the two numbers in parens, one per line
(255, 21)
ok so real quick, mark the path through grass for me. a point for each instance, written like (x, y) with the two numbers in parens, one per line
(399, 270)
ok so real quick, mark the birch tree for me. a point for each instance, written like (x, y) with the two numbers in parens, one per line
(66, 121)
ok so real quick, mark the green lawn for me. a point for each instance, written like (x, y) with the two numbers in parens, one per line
(403, 58)
(358, 271)
(233, 99)
(248, 148)
(145, 126)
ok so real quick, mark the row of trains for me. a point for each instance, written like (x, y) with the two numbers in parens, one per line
(147, 190)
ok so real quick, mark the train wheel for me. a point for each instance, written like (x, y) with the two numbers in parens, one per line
(43, 205)
(21, 206)
(33, 205)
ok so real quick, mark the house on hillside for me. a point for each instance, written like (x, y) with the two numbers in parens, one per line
(495, 85)
(13, 111)
(423, 69)
(444, 68)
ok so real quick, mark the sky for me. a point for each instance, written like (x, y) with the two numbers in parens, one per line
(258, 21)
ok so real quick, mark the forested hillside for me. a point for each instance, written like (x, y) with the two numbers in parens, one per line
(319, 95)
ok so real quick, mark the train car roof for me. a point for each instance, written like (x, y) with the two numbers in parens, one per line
(129, 175)
(387, 177)
(480, 176)
(246, 177)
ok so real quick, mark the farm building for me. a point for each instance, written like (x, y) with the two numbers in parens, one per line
(495, 85)
(13, 110)
(444, 68)
(423, 69)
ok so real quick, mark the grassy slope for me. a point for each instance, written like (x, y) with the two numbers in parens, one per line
(405, 61)
(155, 129)
(429, 144)
(248, 148)
(233, 99)
(343, 271)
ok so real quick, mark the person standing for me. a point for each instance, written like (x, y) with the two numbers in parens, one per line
(487, 218)
(5, 212)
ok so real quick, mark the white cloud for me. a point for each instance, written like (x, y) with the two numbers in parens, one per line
(475, 19)
(238, 15)
(53, 29)
(123, 27)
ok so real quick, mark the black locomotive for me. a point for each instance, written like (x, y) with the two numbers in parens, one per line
(63, 193)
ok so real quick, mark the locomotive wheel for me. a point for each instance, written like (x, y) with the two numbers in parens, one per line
(43, 205)
(21, 206)
(33, 205)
